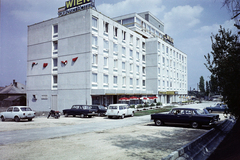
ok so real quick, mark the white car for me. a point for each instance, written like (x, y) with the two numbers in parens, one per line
(119, 110)
(18, 112)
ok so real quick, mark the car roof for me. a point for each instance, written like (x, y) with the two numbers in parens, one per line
(118, 104)
(185, 108)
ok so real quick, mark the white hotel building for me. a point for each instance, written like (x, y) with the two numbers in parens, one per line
(88, 58)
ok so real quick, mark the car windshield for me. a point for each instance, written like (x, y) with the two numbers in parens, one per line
(26, 109)
(112, 107)
(200, 111)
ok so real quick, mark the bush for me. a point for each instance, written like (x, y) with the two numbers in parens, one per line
(146, 105)
(132, 106)
(152, 104)
(159, 104)
(139, 106)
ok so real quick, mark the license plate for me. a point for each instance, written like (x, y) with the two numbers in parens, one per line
(29, 114)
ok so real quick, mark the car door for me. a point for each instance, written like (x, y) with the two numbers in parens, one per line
(8, 113)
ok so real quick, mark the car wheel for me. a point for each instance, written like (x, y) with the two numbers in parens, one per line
(132, 114)
(89, 116)
(158, 122)
(122, 117)
(2, 118)
(29, 119)
(195, 125)
(110, 117)
(17, 119)
(82, 115)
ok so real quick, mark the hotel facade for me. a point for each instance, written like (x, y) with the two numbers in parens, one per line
(86, 57)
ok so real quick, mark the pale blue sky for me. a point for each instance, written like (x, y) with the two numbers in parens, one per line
(189, 22)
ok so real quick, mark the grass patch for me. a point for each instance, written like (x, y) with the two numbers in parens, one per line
(152, 111)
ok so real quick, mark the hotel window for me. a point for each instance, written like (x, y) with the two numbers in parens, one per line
(138, 42)
(163, 48)
(123, 66)
(94, 40)
(55, 29)
(123, 51)
(159, 70)
(137, 67)
(105, 62)
(144, 83)
(143, 58)
(115, 48)
(167, 49)
(123, 80)
(95, 59)
(105, 26)
(131, 67)
(131, 81)
(163, 60)
(94, 22)
(143, 45)
(137, 55)
(115, 30)
(105, 79)
(106, 44)
(115, 63)
(159, 83)
(163, 83)
(159, 46)
(131, 39)
(137, 82)
(55, 45)
(55, 81)
(94, 77)
(123, 35)
(143, 70)
(55, 63)
(114, 79)
(131, 53)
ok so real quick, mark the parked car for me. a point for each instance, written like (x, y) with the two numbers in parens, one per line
(17, 113)
(220, 107)
(81, 110)
(194, 117)
(205, 111)
(119, 110)
(101, 110)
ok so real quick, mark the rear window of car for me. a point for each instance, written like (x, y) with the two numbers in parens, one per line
(26, 109)
(112, 107)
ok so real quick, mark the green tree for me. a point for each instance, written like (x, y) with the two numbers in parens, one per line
(207, 88)
(201, 85)
(223, 63)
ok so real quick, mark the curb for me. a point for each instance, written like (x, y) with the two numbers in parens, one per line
(204, 145)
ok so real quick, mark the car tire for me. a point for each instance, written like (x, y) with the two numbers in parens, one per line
(16, 119)
(195, 125)
(2, 118)
(89, 116)
(122, 117)
(29, 119)
(132, 114)
(110, 117)
(66, 115)
(158, 122)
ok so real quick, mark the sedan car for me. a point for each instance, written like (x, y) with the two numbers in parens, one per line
(194, 117)
(220, 107)
(101, 110)
(81, 110)
(18, 112)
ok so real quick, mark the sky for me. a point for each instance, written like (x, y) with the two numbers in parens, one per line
(189, 22)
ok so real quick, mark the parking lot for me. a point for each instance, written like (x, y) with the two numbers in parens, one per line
(92, 138)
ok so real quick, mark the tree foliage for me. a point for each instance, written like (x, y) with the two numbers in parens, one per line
(224, 64)
(201, 85)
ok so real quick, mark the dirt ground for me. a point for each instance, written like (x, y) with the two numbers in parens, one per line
(144, 141)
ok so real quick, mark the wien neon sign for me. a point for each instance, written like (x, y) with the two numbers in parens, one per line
(73, 6)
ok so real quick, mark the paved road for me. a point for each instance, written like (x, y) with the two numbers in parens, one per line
(18, 136)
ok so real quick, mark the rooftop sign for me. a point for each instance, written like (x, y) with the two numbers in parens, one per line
(73, 6)
(75, 3)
